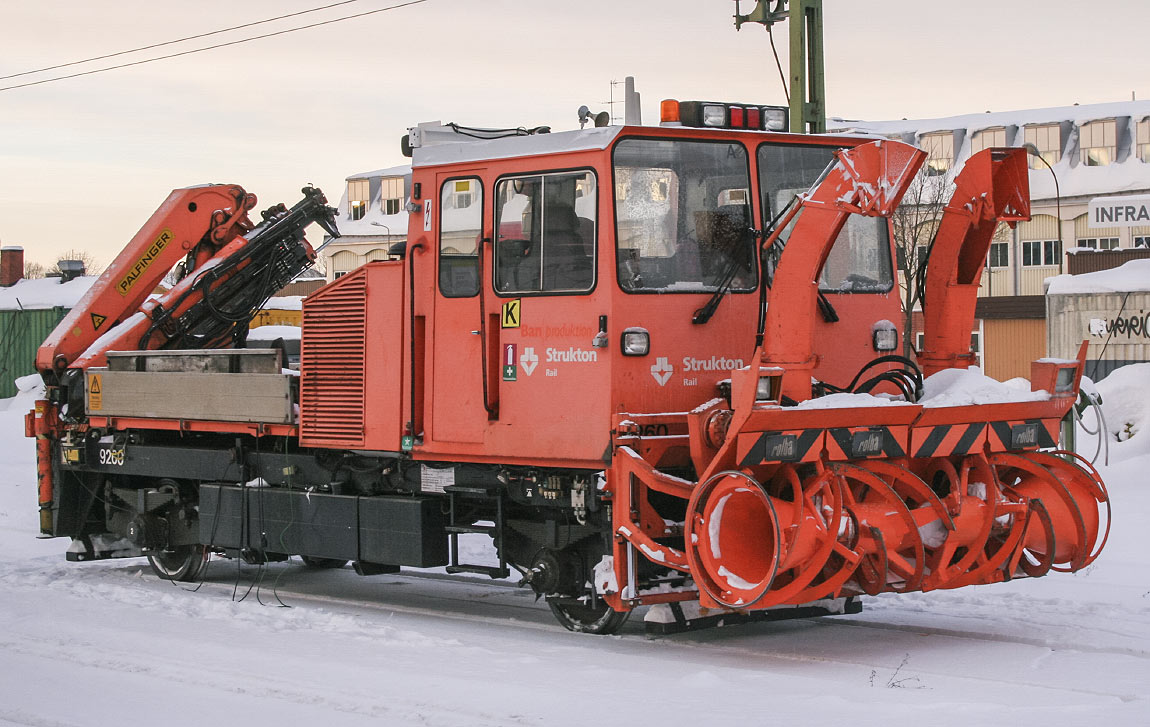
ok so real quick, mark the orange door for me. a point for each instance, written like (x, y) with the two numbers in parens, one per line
(547, 292)
(455, 362)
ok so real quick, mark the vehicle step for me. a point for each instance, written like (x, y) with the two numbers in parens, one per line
(487, 570)
(485, 529)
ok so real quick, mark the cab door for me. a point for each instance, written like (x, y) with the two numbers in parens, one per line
(456, 362)
(551, 367)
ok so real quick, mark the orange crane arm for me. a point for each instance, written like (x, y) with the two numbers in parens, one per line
(192, 223)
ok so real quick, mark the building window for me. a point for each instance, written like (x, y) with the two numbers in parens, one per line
(919, 338)
(1048, 139)
(1099, 243)
(1098, 141)
(343, 262)
(1144, 140)
(1040, 252)
(939, 152)
(461, 193)
(999, 254)
(358, 197)
(391, 192)
(1142, 241)
(987, 138)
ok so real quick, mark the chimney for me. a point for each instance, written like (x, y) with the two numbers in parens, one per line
(11, 265)
(70, 269)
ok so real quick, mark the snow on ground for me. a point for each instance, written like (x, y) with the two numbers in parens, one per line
(107, 643)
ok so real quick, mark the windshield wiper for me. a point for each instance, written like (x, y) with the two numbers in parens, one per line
(704, 314)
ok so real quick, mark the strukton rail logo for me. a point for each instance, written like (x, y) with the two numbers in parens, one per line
(528, 360)
(662, 370)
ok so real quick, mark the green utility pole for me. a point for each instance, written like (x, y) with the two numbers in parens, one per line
(808, 95)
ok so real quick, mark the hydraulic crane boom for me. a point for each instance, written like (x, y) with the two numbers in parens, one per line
(192, 223)
(230, 273)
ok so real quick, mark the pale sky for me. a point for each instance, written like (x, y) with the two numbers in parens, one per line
(85, 161)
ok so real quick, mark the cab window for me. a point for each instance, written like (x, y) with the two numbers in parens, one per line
(859, 261)
(683, 216)
(460, 231)
(545, 239)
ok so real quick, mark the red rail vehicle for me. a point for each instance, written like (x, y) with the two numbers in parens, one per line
(654, 364)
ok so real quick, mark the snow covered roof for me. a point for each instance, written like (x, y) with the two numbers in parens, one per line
(308, 274)
(993, 119)
(399, 171)
(284, 302)
(1128, 174)
(43, 293)
(1130, 277)
(270, 333)
(374, 224)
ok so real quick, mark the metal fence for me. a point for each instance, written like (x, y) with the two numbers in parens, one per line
(21, 333)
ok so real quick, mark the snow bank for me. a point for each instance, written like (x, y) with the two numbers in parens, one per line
(1126, 406)
(29, 388)
(45, 293)
(1133, 276)
(962, 387)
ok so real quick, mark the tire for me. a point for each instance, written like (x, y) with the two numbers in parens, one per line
(576, 616)
(183, 564)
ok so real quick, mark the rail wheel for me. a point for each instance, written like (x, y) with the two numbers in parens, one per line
(183, 563)
(575, 615)
(325, 563)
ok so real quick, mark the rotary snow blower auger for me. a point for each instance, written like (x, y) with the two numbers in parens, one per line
(821, 499)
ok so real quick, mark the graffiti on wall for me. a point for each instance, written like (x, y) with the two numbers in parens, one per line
(1136, 325)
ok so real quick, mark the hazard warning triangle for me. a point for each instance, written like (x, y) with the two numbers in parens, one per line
(97, 321)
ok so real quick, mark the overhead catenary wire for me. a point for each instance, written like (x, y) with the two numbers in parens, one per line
(778, 63)
(177, 40)
(212, 47)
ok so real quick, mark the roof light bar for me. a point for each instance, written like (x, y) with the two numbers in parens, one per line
(717, 115)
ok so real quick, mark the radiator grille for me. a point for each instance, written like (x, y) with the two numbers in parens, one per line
(332, 358)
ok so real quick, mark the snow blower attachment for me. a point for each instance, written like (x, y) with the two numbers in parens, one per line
(580, 355)
(802, 503)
